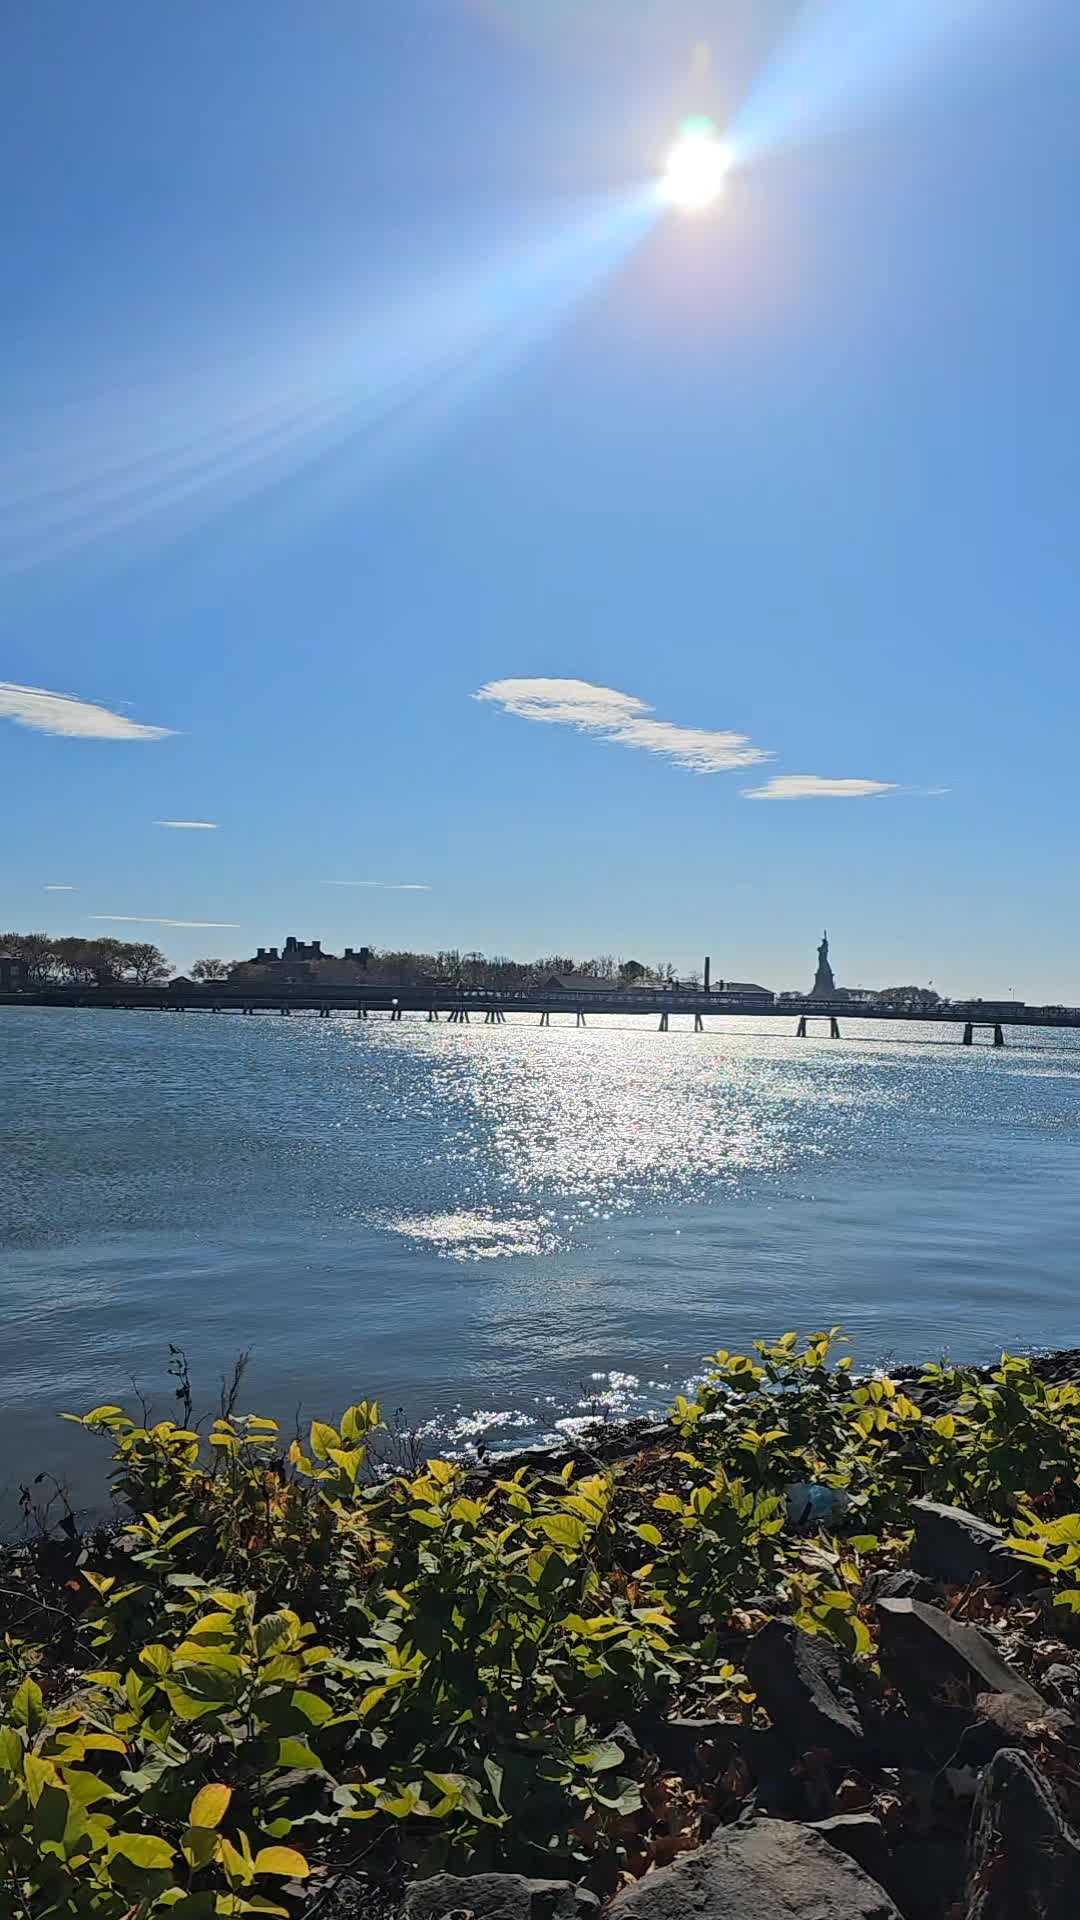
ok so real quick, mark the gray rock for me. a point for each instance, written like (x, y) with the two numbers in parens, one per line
(861, 1836)
(923, 1649)
(1062, 1684)
(498, 1896)
(769, 1870)
(799, 1679)
(896, 1583)
(1023, 1859)
(955, 1547)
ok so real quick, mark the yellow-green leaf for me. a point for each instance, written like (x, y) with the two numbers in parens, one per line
(39, 1774)
(563, 1529)
(274, 1630)
(312, 1706)
(209, 1805)
(349, 1460)
(86, 1788)
(323, 1437)
(236, 1867)
(650, 1533)
(26, 1707)
(296, 1753)
(187, 1706)
(142, 1850)
(199, 1845)
(283, 1861)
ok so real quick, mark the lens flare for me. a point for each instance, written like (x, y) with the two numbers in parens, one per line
(696, 169)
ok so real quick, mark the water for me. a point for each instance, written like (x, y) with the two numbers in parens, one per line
(494, 1227)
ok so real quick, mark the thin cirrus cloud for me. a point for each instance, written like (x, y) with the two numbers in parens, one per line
(59, 886)
(388, 886)
(625, 720)
(628, 722)
(200, 826)
(73, 719)
(811, 786)
(160, 920)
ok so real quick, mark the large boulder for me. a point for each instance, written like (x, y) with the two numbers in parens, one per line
(956, 1547)
(861, 1836)
(768, 1870)
(801, 1680)
(1023, 1859)
(498, 1896)
(924, 1650)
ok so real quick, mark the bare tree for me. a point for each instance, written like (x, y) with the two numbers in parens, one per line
(210, 970)
(146, 962)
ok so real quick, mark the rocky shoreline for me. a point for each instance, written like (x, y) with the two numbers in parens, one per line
(975, 1725)
(941, 1789)
(726, 1691)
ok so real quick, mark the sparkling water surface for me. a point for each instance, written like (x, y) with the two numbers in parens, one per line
(496, 1228)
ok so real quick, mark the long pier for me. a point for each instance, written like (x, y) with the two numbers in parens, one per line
(464, 1006)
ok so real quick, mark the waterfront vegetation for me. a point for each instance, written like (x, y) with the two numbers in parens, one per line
(286, 1657)
(71, 961)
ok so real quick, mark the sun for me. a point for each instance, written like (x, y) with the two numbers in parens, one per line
(696, 169)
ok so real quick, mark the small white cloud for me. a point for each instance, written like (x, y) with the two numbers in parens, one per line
(59, 886)
(388, 886)
(811, 786)
(935, 793)
(62, 713)
(624, 719)
(203, 826)
(156, 920)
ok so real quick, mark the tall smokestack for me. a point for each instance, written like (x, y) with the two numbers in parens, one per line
(708, 970)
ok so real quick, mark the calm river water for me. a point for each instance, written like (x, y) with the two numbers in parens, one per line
(491, 1226)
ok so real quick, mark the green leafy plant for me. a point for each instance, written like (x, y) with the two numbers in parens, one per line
(282, 1650)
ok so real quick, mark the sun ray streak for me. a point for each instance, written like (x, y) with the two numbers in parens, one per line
(154, 459)
(840, 58)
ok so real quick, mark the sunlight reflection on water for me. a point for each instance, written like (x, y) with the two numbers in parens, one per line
(497, 1227)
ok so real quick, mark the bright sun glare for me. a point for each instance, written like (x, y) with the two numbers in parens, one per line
(696, 169)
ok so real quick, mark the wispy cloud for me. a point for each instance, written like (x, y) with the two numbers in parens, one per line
(203, 826)
(62, 713)
(59, 886)
(811, 786)
(624, 719)
(158, 920)
(388, 886)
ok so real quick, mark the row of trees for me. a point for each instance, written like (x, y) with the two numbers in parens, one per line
(74, 962)
(499, 971)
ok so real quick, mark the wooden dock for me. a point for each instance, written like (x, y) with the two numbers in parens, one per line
(697, 1012)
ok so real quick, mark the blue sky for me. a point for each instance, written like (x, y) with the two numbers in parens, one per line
(350, 369)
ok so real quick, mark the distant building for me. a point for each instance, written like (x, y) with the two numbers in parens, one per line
(302, 963)
(579, 983)
(13, 973)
